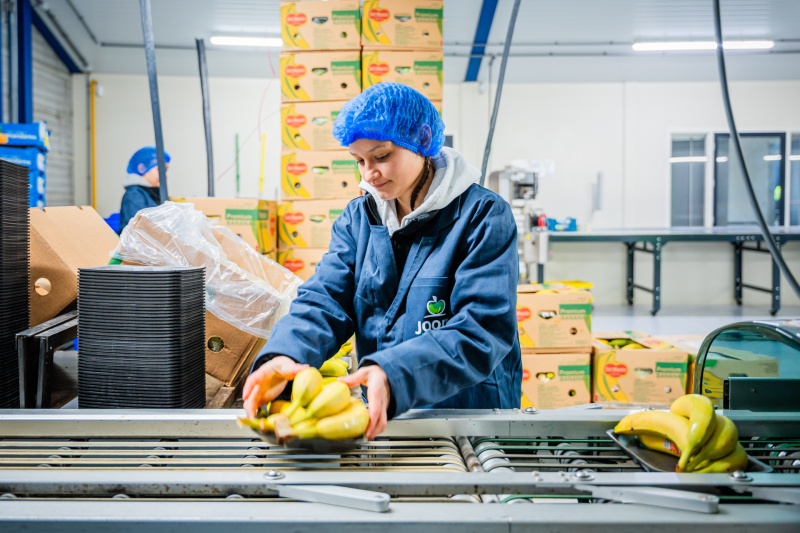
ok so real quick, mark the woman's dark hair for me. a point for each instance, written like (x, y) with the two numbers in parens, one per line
(427, 171)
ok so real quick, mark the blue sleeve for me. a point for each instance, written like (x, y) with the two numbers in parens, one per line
(437, 365)
(134, 200)
(320, 319)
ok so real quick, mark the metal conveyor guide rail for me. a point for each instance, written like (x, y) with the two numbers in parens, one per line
(123, 467)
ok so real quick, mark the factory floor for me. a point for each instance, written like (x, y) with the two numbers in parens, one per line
(679, 320)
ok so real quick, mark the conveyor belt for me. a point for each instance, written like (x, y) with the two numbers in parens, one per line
(196, 471)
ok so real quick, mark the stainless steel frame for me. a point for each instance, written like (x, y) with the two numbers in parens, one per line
(93, 477)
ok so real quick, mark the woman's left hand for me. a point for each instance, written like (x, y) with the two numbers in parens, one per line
(378, 395)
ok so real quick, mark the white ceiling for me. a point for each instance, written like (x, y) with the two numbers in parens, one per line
(554, 40)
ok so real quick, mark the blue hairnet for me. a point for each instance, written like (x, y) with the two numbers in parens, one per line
(144, 159)
(391, 112)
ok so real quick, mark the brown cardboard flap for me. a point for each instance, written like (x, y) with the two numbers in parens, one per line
(64, 239)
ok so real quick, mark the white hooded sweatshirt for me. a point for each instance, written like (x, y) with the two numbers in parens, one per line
(452, 176)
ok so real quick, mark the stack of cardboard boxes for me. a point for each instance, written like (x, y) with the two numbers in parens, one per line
(554, 324)
(320, 71)
(322, 67)
(403, 44)
(27, 145)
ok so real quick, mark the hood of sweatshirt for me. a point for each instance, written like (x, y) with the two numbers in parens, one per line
(452, 176)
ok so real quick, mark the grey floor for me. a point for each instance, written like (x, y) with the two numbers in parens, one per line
(676, 320)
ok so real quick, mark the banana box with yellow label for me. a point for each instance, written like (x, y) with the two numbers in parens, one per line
(554, 317)
(301, 261)
(413, 24)
(251, 219)
(319, 76)
(307, 223)
(630, 366)
(309, 125)
(419, 69)
(554, 380)
(723, 362)
(332, 25)
(311, 174)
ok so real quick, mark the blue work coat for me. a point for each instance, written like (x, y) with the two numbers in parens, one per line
(135, 199)
(444, 330)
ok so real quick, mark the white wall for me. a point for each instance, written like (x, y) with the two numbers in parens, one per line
(620, 129)
(124, 124)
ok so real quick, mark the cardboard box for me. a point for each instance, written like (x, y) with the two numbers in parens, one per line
(307, 223)
(419, 69)
(318, 76)
(301, 261)
(723, 362)
(332, 25)
(554, 317)
(250, 218)
(655, 373)
(402, 24)
(64, 239)
(551, 381)
(309, 125)
(330, 174)
(230, 352)
(33, 135)
(273, 255)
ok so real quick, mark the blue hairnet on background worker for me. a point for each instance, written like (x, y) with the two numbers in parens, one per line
(141, 185)
(423, 268)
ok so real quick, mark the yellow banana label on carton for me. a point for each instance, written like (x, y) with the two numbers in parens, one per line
(291, 123)
(287, 228)
(608, 372)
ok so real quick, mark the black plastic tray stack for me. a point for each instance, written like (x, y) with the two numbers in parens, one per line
(142, 337)
(14, 275)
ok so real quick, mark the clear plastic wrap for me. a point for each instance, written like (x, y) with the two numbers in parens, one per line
(243, 287)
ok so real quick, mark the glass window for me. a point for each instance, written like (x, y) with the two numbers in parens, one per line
(687, 163)
(763, 153)
(794, 190)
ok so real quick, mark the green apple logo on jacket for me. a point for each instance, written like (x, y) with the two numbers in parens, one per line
(435, 309)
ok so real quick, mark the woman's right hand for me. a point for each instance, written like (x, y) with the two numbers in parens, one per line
(268, 381)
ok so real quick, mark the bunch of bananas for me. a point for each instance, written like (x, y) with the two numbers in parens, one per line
(624, 344)
(704, 441)
(317, 410)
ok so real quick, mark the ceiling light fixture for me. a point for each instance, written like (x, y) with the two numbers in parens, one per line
(260, 42)
(689, 159)
(772, 158)
(684, 46)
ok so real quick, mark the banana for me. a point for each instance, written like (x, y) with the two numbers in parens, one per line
(349, 424)
(333, 399)
(305, 387)
(260, 424)
(333, 368)
(658, 423)
(736, 460)
(659, 444)
(298, 415)
(307, 429)
(722, 442)
(326, 380)
(276, 406)
(346, 348)
(702, 419)
(633, 346)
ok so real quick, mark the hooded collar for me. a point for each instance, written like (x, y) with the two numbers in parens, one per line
(453, 176)
(135, 179)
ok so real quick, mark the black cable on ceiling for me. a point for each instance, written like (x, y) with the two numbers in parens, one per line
(734, 135)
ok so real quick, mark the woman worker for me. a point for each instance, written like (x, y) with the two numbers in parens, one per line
(142, 186)
(422, 268)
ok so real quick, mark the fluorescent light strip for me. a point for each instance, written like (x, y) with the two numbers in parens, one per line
(683, 46)
(689, 159)
(794, 158)
(772, 158)
(722, 159)
(260, 42)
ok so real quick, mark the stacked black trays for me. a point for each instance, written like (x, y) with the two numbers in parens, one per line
(14, 275)
(142, 337)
